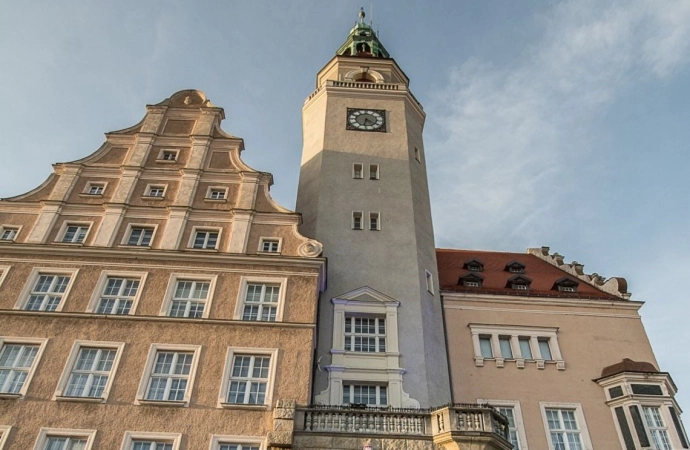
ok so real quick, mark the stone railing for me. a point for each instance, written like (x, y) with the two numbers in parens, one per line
(335, 419)
(454, 418)
(361, 85)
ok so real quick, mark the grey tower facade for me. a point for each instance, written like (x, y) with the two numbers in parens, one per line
(363, 193)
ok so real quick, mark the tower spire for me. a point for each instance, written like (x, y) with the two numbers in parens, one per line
(362, 41)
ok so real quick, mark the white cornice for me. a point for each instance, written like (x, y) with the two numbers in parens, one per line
(543, 301)
(542, 311)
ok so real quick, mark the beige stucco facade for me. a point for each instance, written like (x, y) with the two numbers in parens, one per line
(169, 207)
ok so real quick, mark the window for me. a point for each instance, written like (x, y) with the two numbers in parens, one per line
(63, 439)
(17, 360)
(261, 302)
(509, 412)
(474, 265)
(169, 373)
(504, 343)
(520, 287)
(656, 427)
(566, 289)
(538, 345)
(8, 233)
(564, 431)
(140, 440)
(189, 298)
(140, 236)
(155, 191)
(485, 346)
(47, 291)
(75, 234)
(95, 188)
(269, 245)
(468, 283)
(363, 334)
(118, 295)
(357, 171)
(236, 443)
(374, 221)
(364, 394)
(217, 193)
(566, 284)
(373, 171)
(168, 155)
(205, 239)
(357, 221)
(89, 371)
(511, 409)
(248, 377)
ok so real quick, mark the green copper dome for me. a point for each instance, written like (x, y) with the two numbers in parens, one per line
(363, 42)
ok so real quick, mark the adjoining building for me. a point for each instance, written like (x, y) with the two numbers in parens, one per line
(153, 296)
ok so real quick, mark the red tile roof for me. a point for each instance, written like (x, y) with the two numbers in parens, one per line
(628, 365)
(451, 266)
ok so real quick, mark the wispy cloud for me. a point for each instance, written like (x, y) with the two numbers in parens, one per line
(508, 134)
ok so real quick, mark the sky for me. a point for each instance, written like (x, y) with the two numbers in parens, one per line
(549, 123)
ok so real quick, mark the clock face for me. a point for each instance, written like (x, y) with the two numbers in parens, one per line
(366, 119)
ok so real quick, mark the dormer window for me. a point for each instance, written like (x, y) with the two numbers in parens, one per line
(566, 285)
(474, 265)
(515, 267)
(519, 283)
(471, 280)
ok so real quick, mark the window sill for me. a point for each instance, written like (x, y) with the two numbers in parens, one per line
(267, 253)
(243, 406)
(206, 250)
(70, 244)
(6, 241)
(86, 194)
(8, 396)
(520, 363)
(151, 197)
(166, 161)
(167, 403)
(134, 246)
(216, 200)
(64, 398)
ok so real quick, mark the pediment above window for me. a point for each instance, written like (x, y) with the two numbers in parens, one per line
(364, 295)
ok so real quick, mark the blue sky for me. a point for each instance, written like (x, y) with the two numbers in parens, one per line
(551, 123)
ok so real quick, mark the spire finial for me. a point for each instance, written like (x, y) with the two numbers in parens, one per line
(362, 14)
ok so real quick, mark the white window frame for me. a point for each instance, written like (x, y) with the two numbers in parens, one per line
(71, 361)
(46, 433)
(246, 280)
(172, 286)
(101, 284)
(211, 189)
(131, 436)
(41, 342)
(376, 335)
(360, 215)
(218, 440)
(4, 270)
(227, 372)
(376, 171)
(200, 229)
(374, 215)
(4, 434)
(92, 184)
(378, 404)
(128, 234)
(358, 171)
(151, 360)
(151, 186)
(515, 332)
(263, 240)
(163, 151)
(68, 223)
(517, 415)
(579, 416)
(17, 228)
(23, 298)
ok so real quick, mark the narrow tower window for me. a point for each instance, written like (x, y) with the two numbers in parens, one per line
(373, 171)
(417, 155)
(357, 171)
(357, 220)
(374, 221)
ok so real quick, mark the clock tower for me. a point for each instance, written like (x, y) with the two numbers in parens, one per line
(363, 193)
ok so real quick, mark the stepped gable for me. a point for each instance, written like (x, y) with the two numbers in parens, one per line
(496, 277)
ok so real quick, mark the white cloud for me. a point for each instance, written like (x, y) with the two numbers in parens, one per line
(510, 133)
